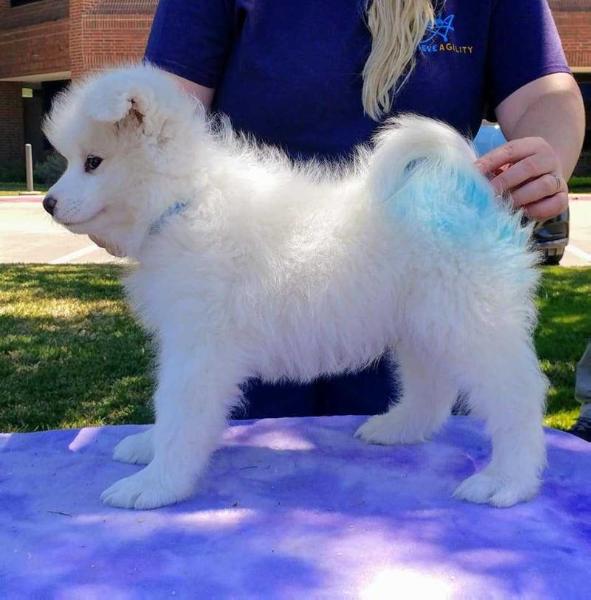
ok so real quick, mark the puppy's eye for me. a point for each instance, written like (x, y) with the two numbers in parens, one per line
(92, 163)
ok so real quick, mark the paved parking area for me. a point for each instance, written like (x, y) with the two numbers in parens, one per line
(27, 234)
(578, 252)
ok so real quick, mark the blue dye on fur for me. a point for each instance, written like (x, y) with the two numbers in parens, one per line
(455, 206)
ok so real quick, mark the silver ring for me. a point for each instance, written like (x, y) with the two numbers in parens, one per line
(559, 181)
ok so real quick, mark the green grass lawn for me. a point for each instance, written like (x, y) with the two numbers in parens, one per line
(71, 355)
(580, 185)
(12, 188)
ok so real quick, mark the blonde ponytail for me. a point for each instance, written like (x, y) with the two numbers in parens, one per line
(396, 27)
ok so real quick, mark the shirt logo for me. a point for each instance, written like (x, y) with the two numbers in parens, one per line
(437, 38)
(439, 29)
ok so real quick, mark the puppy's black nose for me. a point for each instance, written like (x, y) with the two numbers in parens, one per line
(49, 203)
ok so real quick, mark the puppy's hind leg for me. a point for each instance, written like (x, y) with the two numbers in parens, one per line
(427, 397)
(508, 389)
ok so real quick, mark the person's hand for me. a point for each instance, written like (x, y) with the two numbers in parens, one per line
(110, 248)
(529, 171)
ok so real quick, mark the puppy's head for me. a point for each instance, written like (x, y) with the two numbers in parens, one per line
(130, 136)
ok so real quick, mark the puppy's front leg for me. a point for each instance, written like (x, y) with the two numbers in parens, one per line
(137, 449)
(191, 401)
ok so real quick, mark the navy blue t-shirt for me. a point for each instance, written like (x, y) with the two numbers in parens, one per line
(290, 72)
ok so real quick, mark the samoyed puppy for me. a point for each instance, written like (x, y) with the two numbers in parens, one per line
(247, 265)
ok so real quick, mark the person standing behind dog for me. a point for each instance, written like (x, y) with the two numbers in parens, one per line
(582, 427)
(318, 78)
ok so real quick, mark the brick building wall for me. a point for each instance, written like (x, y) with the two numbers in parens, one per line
(74, 36)
(108, 32)
(58, 39)
(31, 14)
(40, 48)
(34, 38)
(573, 19)
(11, 123)
(575, 31)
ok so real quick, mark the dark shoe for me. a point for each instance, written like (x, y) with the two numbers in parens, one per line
(582, 428)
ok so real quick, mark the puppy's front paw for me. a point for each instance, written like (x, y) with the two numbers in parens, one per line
(136, 449)
(496, 489)
(390, 428)
(150, 488)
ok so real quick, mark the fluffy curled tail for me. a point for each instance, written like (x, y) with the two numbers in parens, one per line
(423, 172)
(410, 140)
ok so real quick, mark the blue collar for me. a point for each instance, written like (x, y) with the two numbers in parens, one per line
(174, 209)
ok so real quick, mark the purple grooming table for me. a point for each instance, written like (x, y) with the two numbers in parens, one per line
(291, 508)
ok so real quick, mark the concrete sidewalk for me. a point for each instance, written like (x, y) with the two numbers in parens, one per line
(578, 252)
(27, 234)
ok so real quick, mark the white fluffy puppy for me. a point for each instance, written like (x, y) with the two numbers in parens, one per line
(250, 266)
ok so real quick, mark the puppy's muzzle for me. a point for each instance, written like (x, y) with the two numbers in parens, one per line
(49, 203)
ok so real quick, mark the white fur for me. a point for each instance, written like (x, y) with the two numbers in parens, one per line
(283, 271)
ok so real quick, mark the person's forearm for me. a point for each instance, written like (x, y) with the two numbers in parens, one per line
(558, 116)
(203, 94)
(544, 122)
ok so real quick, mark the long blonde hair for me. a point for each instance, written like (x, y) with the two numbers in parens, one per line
(396, 27)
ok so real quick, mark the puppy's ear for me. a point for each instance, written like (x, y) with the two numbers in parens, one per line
(119, 101)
